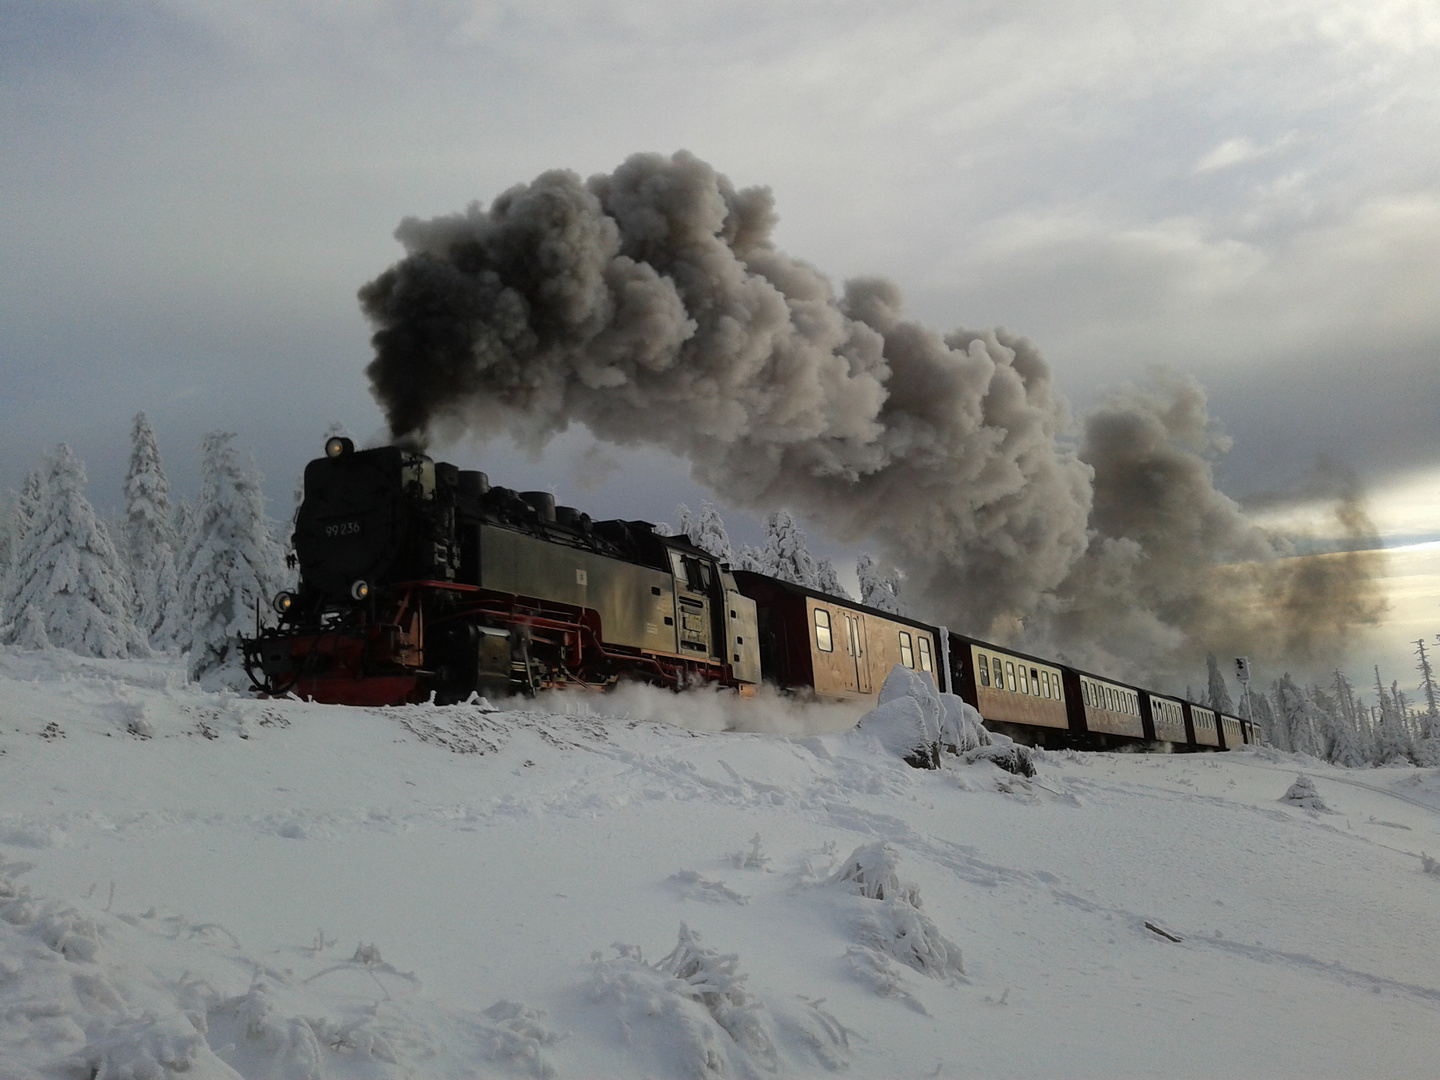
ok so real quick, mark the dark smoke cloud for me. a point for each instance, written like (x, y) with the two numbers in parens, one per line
(1176, 569)
(651, 307)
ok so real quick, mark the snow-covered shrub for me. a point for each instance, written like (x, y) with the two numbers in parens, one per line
(516, 1036)
(907, 718)
(905, 932)
(882, 976)
(872, 871)
(752, 859)
(698, 997)
(962, 728)
(28, 631)
(891, 923)
(145, 1047)
(68, 570)
(1005, 753)
(1302, 793)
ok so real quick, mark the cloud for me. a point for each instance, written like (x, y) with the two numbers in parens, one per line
(1240, 150)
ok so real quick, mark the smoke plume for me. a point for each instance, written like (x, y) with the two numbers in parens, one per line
(650, 306)
(1176, 569)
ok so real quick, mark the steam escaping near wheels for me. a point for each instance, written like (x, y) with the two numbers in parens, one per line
(651, 306)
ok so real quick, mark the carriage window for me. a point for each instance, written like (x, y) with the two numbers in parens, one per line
(1010, 682)
(1109, 699)
(1055, 685)
(926, 664)
(1035, 681)
(907, 654)
(1044, 684)
(1024, 682)
(984, 670)
(823, 641)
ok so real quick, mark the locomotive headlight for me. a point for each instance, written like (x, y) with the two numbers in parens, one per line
(360, 590)
(338, 446)
(284, 602)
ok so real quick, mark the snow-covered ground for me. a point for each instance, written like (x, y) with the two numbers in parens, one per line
(221, 886)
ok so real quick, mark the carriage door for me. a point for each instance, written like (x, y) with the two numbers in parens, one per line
(855, 637)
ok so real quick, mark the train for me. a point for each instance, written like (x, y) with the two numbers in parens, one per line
(420, 581)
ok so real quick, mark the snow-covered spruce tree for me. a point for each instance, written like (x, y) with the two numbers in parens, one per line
(828, 581)
(1264, 714)
(786, 555)
(7, 540)
(1339, 742)
(68, 571)
(175, 627)
(21, 508)
(149, 530)
(1217, 694)
(750, 558)
(877, 590)
(707, 531)
(1297, 715)
(1427, 746)
(1392, 741)
(231, 563)
(1350, 712)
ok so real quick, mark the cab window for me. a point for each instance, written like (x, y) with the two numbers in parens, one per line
(823, 640)
(907, 652)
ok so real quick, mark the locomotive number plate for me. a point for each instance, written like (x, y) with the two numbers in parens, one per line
(337, 529)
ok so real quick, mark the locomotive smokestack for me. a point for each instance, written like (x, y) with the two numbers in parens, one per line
(651, 306)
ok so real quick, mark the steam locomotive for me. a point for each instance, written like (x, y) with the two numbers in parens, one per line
(422, 581)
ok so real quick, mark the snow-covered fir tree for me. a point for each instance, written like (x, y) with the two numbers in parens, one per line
(231, 563)
(1338, 739)
(1217, 694)
(1296, 714)
(1392, 741)
(706, 530)
(750, 558)
(67, 574)
(1264, 715)
(878, 590)
(149, 530)
(21, 508)
(828, 581)
(1427, 746)
(786, 555)
(7, 539)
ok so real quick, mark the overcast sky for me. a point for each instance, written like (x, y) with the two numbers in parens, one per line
(191, 193)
